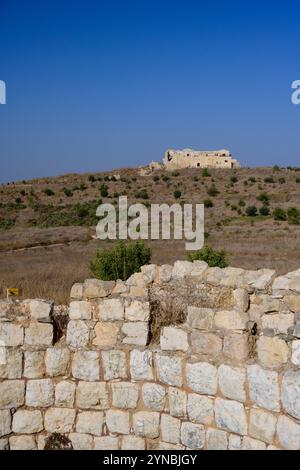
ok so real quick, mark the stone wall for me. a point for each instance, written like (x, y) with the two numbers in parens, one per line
(118, 375)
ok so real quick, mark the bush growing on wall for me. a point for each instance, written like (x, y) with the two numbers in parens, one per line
(120, 262)
(212, 257)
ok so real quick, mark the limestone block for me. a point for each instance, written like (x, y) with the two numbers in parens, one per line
(241, 299)
(76, 291)
(85, 365)
(177, 402)
(90, 422)
(11, 334)
(151, 271)
(141, 365)
(173, 339)
(192, 435)
(117, 421)
(169, 370)
(278, 323)
(11, 368)
(293, 302)
(81, 441)
(39, 393)
(236, 346)
(234, 442)
(80, 310)
(124, 395)
(106, 443)
(120, 287)
(95, 288)
(112, 310)
(200, 318)
(232, 382)
(206, 343)
(291, 393)
(153, 396)
(165, 273)
(22, 443)
(262, 425)
(4, 444)
(216, 439)
(39, 335)
(288, 433)
(59, 420)
(170, 429)
(65, 394)
(181, 269)
(40, 310)
(263, 387)
(135, 333)
(133, 443)
(146, 424)
(199, 268)
(114, 363)
(12, 393)
(77, 334)
(231, 320)
(93, 395)
(230, 415)
(106, 334)
(34, 366)
(252, 444)
(296, 352)
(57, 361)
(27, 422)
(272, 352)
(137, 310)
(202, 377)
(5, 422)
(200, 409)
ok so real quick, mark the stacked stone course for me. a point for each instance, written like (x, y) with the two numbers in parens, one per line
(227, 377)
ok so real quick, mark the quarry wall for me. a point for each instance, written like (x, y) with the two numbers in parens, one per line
(177, 357)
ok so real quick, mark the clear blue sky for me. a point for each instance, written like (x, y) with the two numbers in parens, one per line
(95, 85)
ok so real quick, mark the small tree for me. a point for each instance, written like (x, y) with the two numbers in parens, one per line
(177, 194)
(264, 210)
(279, 214)
(293, 215)
(264, 198)
(120, 262)
(48, 192)
(212, 191)
(205, 173)
(208, 203)
(251, 211)
(212, 257)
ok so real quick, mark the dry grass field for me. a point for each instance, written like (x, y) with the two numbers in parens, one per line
(47, 225)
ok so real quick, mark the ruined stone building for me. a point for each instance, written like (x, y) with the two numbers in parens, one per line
(188, 158)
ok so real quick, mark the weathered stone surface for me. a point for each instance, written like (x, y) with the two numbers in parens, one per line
(200, 318)
(288, 433)
(114, 363)
(120, 287)
(77, 334)
(81, 441)
(146, 424)
(168, 446)
(11, 366)
(76, 291)
(169, 369)
(39, 309)
(272, 352)
(230, 415)
(263, 387)
(57, 361)
(177, 402)
(181, 269)
(106, 334)
(4, 444)
(291, 393)
(293, 302)
(27, 422)
(261, 279)
(165, 273)
(112, 310)
(198, 269)
(90, 422)
(234, 442)
(85, 365)
(154, 396)
(278, 323)
(214, 276)
(296, 352)
(265, 303)
(22, 443)
(124, 395)
(12, 393)
(137, 310)
(117, 421)
(262, 425)
(5, 422)
(95, 288)
(92, 395)
(216, 439)
(252, 444)
(202, 377)
(137, 291)
(192, 435)
(135, 333)
(200, 409)
(133, 443)
(241, 299)
(173, 339)
(170, 429)
(141, 365)
(106, 443)
(39, 393)
(80, 310)
(232, 382)
(236, 346)
(39, 335)
(65, 394)
(231, 277)
(11, 334)
(138, 279)
(59, 420)
(34, 366)
(206, 343)
(151, 271)
(231, 320)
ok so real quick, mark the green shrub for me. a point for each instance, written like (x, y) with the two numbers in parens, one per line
(205, 173)
(281, 180)
(212, 257)
(120, 262)
(264, 198)
(156, 178)
(252, 179)
(92, 178)
(251, 211)
(104, 190)
(177, 194)
(276, 168)
(212, 191)
(175, 173)
(293, 215)
(68, 192)
(264, 210)
(165, 178)
(242, 203)
(208, 203)
(48, 192)
(233, 179)
(234, 207)
(269, 179)
(18, 200)
(279, 214)
(23, 192)
(5, 224)
(142, 194)
(297, 180)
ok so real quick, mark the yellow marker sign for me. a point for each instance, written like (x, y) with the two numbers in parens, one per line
(13, 291)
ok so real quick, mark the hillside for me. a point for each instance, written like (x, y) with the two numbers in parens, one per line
(47, 225)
